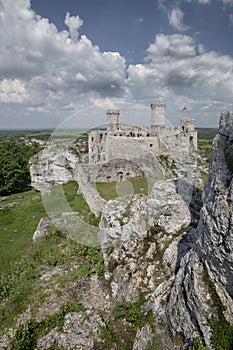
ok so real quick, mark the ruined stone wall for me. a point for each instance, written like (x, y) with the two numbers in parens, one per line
(96, 145)
(116, 170)
(83, 175)
(130, 148)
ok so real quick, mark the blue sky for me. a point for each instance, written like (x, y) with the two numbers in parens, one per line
(60, 57)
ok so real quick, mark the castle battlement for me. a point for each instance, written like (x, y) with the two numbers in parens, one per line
(158, 105)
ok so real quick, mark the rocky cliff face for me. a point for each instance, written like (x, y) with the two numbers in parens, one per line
(202, 288)
(216, 225)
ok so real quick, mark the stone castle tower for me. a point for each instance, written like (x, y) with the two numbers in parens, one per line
(113, 119)
(158, 120)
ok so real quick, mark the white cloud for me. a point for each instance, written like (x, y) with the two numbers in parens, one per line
(73, 23)
(204, 2)
(176, 19)
(53, 62)
(228, 2)
(177, 70)
(13, 91)
(231, 17)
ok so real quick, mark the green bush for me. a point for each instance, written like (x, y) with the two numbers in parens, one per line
(14, 167)
(197, 345)
(131, 312)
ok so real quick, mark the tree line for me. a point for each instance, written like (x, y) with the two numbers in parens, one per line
(14, 165)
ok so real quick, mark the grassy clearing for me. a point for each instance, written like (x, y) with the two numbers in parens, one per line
(22, 213)
(64, 198)
(135, 185)
(21, 286)
(17, 224)
(22, 262)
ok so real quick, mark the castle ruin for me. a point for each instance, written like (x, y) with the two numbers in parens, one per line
(129, 142)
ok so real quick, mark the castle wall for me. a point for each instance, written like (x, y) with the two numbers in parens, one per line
(130, 148)
(96, 145)
(116, 170)
(92, 197)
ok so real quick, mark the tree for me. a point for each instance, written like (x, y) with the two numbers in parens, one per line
(14, 166)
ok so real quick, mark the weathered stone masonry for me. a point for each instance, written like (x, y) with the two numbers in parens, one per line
(124, 141)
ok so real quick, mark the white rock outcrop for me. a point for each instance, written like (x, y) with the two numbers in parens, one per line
(54, 165)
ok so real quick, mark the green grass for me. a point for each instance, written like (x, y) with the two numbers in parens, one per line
(204, 177)
(135, 185)
(22, 262)
(17, 225)
(221, 328)
(21, 287)
(64, 198)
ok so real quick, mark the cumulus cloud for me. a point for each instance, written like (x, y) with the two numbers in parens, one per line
(177, 70)
(55, 62)
(228, 2)
(73, 23)
(176, 19)
(13, 91)
(51, 73)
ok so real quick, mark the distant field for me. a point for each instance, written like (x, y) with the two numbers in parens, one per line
(37, 134)
(205, 139)
(68, 136)
(207, 133)
(64, 136)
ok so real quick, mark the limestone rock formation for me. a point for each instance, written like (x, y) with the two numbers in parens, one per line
(135, 232)
(52, 166)
(216, 225)
(88, 324)
(207, 268)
